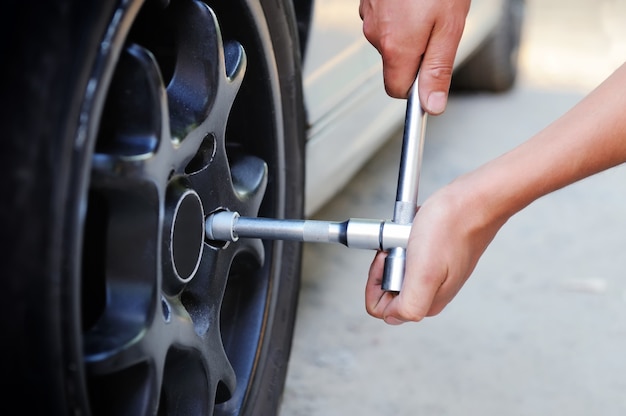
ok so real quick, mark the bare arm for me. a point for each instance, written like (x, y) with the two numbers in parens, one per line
(410, 33)
(455, 225)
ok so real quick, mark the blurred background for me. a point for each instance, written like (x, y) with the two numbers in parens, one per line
(540, 327)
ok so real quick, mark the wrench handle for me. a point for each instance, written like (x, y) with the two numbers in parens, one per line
(405, 206)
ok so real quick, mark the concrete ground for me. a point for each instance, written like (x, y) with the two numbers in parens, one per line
(540, 328)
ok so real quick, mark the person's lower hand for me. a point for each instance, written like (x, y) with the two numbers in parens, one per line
(447, 239)
(412, 34)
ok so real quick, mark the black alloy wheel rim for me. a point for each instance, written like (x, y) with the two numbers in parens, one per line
(185, 121)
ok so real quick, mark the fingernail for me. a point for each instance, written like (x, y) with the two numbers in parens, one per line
(436, 102)
(393, 321)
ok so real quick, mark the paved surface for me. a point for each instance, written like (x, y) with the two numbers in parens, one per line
(540, 328)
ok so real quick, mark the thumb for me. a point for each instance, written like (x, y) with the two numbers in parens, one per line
(436, 70)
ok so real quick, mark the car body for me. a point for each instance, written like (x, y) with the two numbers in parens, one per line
(349, 114)
(127, 123)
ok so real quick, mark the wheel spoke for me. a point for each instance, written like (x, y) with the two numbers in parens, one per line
(135, 122)
(196, 367)
(204, 73)
(249, 175)
(133, 115)
(202, 299)
(120, 271)
(129, 392)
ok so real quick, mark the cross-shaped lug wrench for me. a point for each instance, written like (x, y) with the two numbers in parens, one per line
(391, 236)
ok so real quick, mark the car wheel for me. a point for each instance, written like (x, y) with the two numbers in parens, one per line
(493, 67)
(131, 122)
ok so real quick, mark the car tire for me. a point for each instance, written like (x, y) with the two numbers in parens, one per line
(126, 123)
(493, 67)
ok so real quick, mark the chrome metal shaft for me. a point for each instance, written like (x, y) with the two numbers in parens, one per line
(354, 233)
(391, 236)
(405, 207)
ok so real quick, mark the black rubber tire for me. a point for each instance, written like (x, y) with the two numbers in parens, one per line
(493, 67)
(61, 57)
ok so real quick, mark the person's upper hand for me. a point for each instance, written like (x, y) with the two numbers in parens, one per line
(412, 34)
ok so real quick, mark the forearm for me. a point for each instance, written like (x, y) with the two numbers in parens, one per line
(454, 226)
(589, 138)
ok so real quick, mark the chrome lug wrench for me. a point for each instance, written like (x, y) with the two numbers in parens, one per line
(360, 233)
(353, 233)
(405, 207)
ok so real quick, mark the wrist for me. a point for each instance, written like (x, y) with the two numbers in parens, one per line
(481, 202)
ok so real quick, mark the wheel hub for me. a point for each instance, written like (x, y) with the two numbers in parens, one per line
(183, 236)
(181, 134)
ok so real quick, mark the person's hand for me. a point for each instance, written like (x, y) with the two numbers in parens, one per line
(452, 229)
(447, 239)
(412, 34)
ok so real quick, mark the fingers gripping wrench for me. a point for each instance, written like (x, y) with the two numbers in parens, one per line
(354, 233)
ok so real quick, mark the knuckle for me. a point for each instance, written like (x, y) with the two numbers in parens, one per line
(395, 85)
(410, 313)
(373, 314)
(369, 31)
(438, 71)
(388, 46)
(393, 90)
(436, 308)
(375, 307)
